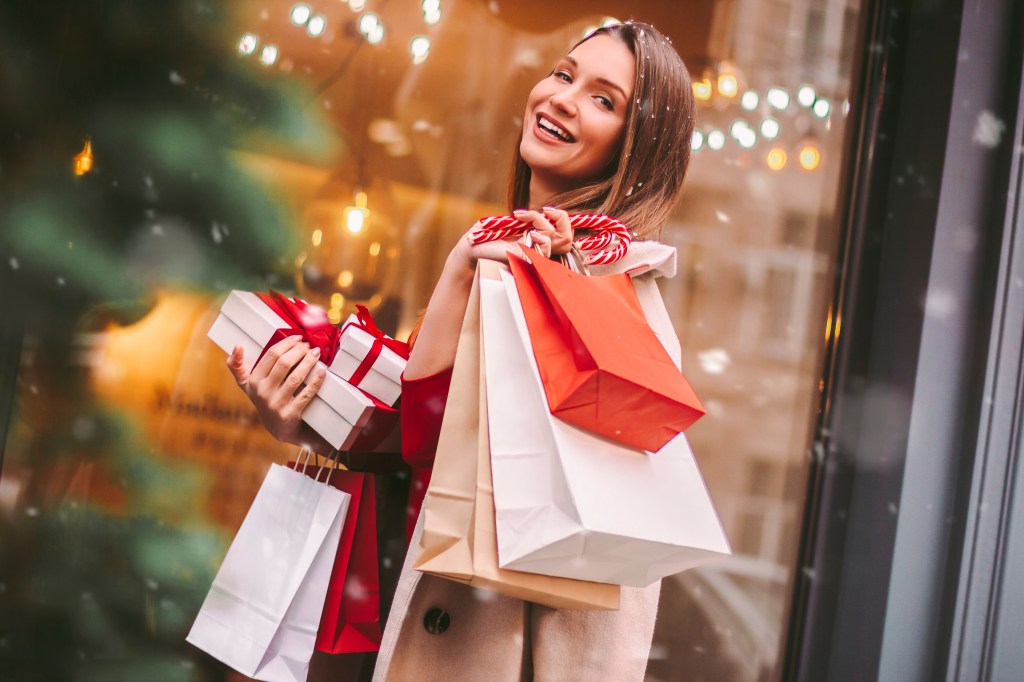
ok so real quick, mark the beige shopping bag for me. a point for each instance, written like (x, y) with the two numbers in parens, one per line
(459, 541)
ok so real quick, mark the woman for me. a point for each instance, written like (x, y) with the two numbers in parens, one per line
(608, 131)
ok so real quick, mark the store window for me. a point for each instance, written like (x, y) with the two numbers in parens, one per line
(338, 149)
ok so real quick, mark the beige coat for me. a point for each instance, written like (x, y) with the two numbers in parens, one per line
(443, 630)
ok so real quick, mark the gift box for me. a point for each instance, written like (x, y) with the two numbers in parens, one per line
(369, 359)
(344, 415)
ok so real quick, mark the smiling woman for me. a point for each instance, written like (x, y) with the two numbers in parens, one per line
(607, 131)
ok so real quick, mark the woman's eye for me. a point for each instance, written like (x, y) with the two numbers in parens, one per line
(605, 102)
(562, 75)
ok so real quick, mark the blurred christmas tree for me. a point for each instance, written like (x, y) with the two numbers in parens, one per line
(117, 123)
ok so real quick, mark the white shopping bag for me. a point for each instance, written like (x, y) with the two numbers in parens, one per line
(263, 610)
(571, 503)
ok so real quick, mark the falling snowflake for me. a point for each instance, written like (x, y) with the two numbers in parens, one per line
(177, 78)
(14, 263)
(713, 361)
(722, 217)
(989, 129)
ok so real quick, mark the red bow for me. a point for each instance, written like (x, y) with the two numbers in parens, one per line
(365, 322)
(309, 321)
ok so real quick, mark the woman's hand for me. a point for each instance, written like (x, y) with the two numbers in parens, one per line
(274, 386)
(551, 234)
(550, 225)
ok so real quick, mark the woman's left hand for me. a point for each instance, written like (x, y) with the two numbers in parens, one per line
(550, 225)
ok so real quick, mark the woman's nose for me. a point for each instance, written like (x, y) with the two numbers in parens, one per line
(564, 101)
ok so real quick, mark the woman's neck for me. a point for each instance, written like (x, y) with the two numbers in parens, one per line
(541, 192)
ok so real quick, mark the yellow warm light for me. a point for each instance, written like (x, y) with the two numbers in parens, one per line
(375, 249)
(337, 300)
(345, 278)
(777, 158)
(334, 315)
(84, 159)
(810, 157)
(318, 237)
(728, 85)
(702, 89)
(356, 217)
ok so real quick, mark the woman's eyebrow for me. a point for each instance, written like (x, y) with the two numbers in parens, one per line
(603, 81)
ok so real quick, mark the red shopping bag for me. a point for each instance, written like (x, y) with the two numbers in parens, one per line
(603, 368)
(350, 622)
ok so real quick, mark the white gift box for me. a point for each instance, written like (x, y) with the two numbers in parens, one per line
(573, 504)
(338, 411)
(384, 380)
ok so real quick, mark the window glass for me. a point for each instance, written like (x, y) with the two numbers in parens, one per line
(158, 157)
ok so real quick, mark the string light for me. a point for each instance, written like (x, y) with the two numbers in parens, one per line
(357, 5)
(247, 44)
(355, 217)
(368, 22)
(419, 48)
(750, 99)
(268, 55)
(316, 25)
(84, 159)
(809, 157)
(300, 14)
(716, 139)
(776, 158)
(697, 140)
(778, 98)
(822, 107)
(702, 89)
(806, 95)
(375, 36)
(770, 128)
(728, 86)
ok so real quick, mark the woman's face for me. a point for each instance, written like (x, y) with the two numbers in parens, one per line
(575, 118)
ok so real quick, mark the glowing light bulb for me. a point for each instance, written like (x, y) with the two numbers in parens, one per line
(300, 14)
(375, 36)
(750, 99)
(728, 86)
(368, 22)
(697, 140)
(247, 44)
(316, 25)
(268, 55)
(431, 6)
(702, 89)
(809, 157)
(419, 48)
(355, 217)
(716, 139)
(822, 107)
(770, 128)
(778, 98)
(357, 5)
(432, 17)
(806, 95)
(776, 158)
(84, 159)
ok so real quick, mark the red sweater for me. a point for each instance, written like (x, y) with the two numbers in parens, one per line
(423, 402)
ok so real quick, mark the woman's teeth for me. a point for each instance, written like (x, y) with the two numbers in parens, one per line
(554, 129)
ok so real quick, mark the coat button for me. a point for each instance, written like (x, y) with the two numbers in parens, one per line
(436, 621)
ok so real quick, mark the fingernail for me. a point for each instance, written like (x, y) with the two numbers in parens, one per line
(519, 210)
(316, 352)
(294, 337)
(321, 373)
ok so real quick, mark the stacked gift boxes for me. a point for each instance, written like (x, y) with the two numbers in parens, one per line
(349, 417)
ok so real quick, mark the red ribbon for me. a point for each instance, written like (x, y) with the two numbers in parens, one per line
(365, 322)
(306, 320)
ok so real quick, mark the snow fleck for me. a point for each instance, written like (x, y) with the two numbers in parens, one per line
(157, 230)
(714, 360)
(629, 192)
(61, 282)
(32, 511)
(177, 78)
(327, 104)
(940, 304)
(218, 232)
(34, 389)
(722, 217)
(14, 263)
(152, 584)
(83, 429)
(893, 509)
(493, 6)
(989, 129)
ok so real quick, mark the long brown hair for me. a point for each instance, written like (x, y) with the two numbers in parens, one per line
(640, 185)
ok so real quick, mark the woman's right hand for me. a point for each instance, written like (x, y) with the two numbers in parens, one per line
(274, 385)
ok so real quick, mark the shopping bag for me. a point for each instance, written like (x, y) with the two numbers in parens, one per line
(263, 609)
(603, 368)
(350, 622)
(458, 540)
(571, 503)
